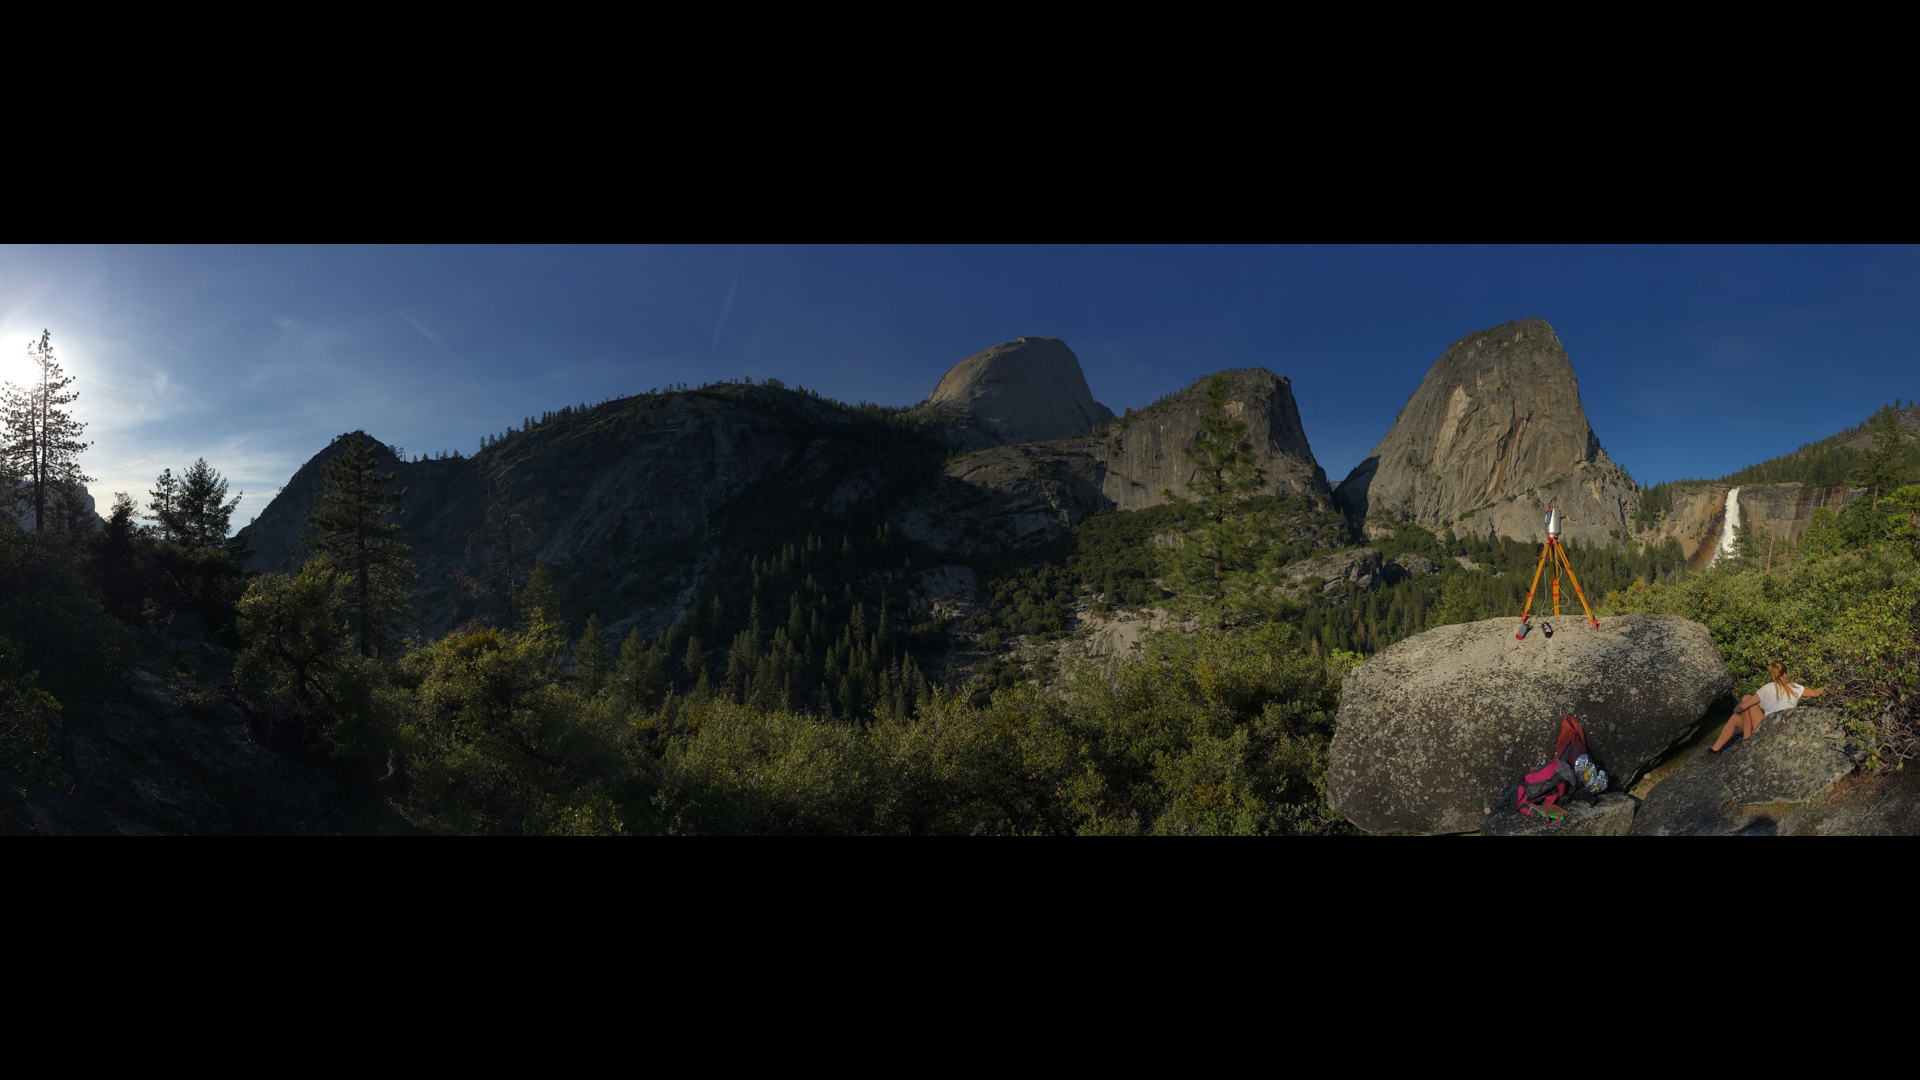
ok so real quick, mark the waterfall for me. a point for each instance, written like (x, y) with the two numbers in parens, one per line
(1727, 526)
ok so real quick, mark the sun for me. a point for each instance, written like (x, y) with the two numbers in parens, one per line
(15, 345)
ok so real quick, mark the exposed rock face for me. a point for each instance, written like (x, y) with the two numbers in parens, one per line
(1495, 434)
(1886, 803)
(1781, 511)
(275, 533)
(1362, 566)
(1794, 757)
(1432, 728)
(1019, 391)
(1612, 815)
(1017, 496)
(1409, 565)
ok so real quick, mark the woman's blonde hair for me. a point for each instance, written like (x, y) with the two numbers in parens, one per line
(1782, 685)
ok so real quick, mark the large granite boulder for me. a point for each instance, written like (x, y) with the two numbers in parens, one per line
(1795, 757)
(1434, 727)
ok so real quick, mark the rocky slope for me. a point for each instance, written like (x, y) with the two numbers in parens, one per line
(1019, 391)
(625, 500)
(1794, 758)
(1492, 436)
(168, 750)
(1015, 496)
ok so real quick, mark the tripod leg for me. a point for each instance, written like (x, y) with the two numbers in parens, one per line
(1578, 591)
(1537, 567)
(1558, 555)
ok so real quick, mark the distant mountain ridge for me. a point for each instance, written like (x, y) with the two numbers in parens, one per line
(630, 499)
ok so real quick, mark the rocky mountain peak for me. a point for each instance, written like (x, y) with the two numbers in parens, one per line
(1493, 435)
(1024, 390)
(1018, 496)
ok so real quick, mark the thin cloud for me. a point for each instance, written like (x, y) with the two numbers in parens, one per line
(442, 346)
(724, 308)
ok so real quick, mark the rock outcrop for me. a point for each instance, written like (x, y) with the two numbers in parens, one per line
(1433, 727)
(1018, 496)
(1361, 566)
(1795, 757)
(1494, 434)
(1025, 390)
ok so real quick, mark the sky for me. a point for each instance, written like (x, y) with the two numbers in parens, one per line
(1692, 362)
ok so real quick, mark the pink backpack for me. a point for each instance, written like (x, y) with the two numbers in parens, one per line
(1544, 791)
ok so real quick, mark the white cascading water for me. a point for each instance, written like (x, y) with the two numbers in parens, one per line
(1726, 527)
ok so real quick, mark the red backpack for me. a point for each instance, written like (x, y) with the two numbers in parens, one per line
(1544, 791)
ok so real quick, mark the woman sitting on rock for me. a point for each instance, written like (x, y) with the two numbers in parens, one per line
(1777, 694)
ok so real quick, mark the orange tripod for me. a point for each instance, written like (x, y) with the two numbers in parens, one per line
(1552, 550)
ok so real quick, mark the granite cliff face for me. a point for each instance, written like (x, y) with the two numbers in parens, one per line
(1779, 511)
(1494, 434)
(1020, 391)
(1016, 496)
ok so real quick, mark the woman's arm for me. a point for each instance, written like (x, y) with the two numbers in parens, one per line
(1815, 692)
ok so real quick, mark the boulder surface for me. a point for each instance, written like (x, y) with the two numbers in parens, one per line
(1795, 757)
(1611, 816)
(1434, 727)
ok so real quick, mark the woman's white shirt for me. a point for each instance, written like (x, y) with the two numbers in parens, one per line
(1771, 702)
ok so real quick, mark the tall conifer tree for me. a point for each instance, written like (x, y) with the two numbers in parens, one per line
(1885, 466)
(42, 447)
(1231, 537)
(356, 541)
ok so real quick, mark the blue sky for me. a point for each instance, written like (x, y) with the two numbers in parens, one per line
(1692, 361)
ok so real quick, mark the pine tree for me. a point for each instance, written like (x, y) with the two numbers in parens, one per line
(194, 510)
(1885, 466)
(590, 668)
(42, 444)
(540, 602)
(1231, 538)
(503, 540)
(166, 491)
(356, 542)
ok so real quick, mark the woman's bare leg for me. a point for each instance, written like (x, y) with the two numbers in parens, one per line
(1746, 716)
(1726, 733)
